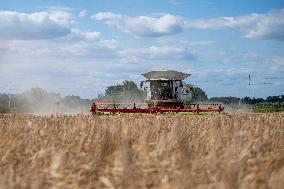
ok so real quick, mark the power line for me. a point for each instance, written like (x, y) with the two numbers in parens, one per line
(226, 84)
(229, 81)
(265, 83)
(273, 78)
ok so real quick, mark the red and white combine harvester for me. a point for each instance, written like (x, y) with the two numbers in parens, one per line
(166, 92)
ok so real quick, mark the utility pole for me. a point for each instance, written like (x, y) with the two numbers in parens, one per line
(57, 107)
(9, 103)
(249, 83)
(11, 92)
(9, 96)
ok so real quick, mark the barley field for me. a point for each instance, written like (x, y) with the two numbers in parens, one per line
(142, 151)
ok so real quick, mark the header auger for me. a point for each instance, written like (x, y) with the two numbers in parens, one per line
(166, 92)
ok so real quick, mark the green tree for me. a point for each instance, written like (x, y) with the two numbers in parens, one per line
(127, 91)
(4, 103)
(198, 94)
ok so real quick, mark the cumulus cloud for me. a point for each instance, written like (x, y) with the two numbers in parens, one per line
(144, 26)
(77, 34)
(170, 52)
(89, 45)
(267, 26)
(77, 44)
(38, 25)
(61, 15)
(82, 13)
(156, 53)
(270, 25)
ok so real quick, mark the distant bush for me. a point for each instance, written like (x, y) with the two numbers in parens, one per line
(269, 107)
(226, 100)
(4, 109)
(249, 100)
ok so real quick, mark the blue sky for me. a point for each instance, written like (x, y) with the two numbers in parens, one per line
(81, 47)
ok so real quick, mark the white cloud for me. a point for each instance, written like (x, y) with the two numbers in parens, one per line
(183, 41)
(267, 26)
(67, 61)
(77, 34)
(156, 54)
(94, 63)
(38, 25)
(61, 15)
(76, 56)
(170, 52)
(270, 25)
(144, 26)
(82, 13)
(88, 46)
(78, 44)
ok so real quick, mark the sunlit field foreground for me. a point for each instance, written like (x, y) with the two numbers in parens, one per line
(142, 151)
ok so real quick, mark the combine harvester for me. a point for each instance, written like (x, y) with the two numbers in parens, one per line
(166, 92)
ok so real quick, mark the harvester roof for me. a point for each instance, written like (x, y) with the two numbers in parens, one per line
(167, 74)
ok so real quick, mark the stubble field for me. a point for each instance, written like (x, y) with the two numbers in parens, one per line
(142, 151)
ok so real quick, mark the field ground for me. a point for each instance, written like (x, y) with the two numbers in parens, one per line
(142, 151)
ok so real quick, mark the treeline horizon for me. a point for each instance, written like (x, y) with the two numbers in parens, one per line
(38, 99)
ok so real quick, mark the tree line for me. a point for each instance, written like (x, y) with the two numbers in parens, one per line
(39, 100)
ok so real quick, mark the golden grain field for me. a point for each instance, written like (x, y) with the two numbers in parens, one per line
(142, 151)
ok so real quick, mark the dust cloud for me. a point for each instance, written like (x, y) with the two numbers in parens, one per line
(38, 102)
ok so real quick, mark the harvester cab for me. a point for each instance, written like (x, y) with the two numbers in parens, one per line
(166, 89)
